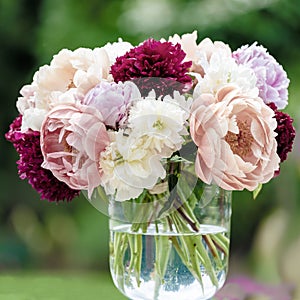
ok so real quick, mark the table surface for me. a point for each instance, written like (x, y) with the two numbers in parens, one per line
(87, 285)
(57, 286)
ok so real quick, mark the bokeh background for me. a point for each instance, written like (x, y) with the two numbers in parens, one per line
(67, 243)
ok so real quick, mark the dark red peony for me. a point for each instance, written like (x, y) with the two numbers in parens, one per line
(29, 165)
(285, 133)
(154, 65)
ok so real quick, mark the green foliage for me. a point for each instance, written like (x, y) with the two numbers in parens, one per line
(72, 24)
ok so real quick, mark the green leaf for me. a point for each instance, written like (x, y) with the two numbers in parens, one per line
(177, 159)
(257, 191)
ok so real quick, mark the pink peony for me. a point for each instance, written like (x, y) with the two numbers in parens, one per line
(72, 138)
(209, 47)
(235, 136)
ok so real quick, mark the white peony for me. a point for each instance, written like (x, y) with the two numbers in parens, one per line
(220, 71)
(33, 118)
(116, 49)
(161, 122)
(181, 101)
(129, 166)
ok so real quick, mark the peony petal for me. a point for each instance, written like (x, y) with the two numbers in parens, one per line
(207, 148)
(202, 171)
(257, 132)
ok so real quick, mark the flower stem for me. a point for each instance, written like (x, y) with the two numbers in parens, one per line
(186, 218)
(221, 242)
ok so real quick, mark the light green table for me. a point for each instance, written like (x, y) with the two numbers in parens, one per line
(99, 286)
(57, 286)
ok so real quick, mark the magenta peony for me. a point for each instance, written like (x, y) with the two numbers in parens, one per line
(29, 165)
(154, 60)
(235, 136)
(72, 139)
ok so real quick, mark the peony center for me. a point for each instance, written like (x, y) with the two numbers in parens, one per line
(119, 159)
(71, 84)
(241, 142)
(67, 148)
(158, 124)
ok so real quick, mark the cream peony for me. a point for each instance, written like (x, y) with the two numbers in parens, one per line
(70, 75)
(235, 137)
(72, 139)
(85, 68)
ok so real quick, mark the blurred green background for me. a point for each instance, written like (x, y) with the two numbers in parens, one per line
(68, 242)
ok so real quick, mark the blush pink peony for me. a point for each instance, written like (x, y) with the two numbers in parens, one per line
(72, 139)
(235, 136)
(199, 53)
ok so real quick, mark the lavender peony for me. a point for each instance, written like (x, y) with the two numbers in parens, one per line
(272, 80)
(113, 101)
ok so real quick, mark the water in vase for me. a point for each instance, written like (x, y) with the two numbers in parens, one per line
(173, 266)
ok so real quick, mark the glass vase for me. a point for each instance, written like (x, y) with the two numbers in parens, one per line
(173, 243)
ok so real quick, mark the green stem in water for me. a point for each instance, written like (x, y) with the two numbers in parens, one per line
(185, 258)
(118, 252)
(139, 251)
(162, 255)
(209, 242)
(206, 261)
(136, 248)
(186, 248)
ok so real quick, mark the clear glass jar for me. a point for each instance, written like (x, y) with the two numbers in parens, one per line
(175, 248)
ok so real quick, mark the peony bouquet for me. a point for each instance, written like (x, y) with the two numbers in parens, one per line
(123, 120)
